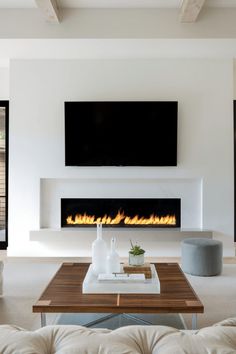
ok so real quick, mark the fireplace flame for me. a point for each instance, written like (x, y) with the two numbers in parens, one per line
(121, 217)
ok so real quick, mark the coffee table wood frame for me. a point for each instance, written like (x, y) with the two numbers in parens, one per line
(64, 295)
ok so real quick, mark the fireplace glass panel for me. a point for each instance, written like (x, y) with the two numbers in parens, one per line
(117, 212)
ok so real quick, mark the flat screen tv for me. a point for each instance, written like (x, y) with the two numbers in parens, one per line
(121, 133)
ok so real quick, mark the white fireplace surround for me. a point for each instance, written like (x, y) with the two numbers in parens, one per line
(188, 190)
(38, 177)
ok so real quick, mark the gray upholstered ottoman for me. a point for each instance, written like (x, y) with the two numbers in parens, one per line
(201, 256)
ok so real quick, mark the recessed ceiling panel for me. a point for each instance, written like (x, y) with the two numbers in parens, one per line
(120, 3)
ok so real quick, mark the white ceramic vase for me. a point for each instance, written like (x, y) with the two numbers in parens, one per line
(99, 252)
(113, 259)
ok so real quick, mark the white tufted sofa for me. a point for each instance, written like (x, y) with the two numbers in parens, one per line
(218, 339)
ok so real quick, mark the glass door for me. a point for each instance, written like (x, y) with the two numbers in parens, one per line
(4, 110)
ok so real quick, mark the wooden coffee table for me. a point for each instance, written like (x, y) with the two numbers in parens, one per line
(64, 295)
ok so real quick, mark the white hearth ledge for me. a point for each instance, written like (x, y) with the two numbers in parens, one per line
(72, 234)
(78, 242)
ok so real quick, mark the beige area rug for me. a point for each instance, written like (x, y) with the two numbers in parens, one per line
(24, 282)
(22, 285)
(218, 295)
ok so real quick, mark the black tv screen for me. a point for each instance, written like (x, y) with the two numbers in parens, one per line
(127, 133)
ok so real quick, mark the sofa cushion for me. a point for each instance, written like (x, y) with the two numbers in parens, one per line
(16, 340)
(228, 322)
(132, 339)
(62, 339)
(217, 340)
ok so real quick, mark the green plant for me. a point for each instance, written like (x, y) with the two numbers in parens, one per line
(136, 250)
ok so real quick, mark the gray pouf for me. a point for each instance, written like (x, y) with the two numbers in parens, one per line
(201, 256)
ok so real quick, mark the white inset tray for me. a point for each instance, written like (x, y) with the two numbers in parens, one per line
(91, 285)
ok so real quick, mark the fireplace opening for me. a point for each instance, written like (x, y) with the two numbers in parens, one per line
(116, 212)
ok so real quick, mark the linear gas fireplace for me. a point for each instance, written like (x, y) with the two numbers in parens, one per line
(129, 212)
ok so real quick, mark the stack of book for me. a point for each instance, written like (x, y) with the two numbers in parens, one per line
(121, 278)
(143, 269)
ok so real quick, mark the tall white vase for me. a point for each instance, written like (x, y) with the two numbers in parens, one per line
(99, 252)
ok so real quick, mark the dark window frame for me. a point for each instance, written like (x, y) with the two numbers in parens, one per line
(4, 244)
(234, 170)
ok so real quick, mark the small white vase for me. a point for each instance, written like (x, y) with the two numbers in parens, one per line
(136, 260)
(113, 259)
(99, 252)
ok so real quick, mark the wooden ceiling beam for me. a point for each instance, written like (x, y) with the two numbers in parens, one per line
(49, 9)
(190, 9)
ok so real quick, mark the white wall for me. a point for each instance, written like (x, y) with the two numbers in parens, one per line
(4, 83)
(204, 89)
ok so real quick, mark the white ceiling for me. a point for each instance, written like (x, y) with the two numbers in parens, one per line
(114, 3)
